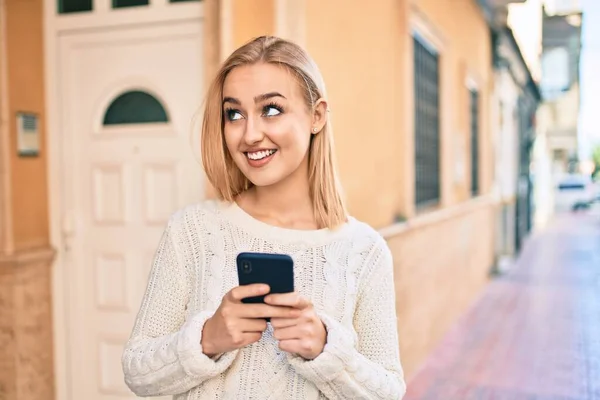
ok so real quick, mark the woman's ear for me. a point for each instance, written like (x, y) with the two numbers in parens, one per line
(319, 116)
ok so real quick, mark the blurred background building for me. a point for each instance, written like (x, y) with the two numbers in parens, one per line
(516, 98)
(434, 105)
(558, 117)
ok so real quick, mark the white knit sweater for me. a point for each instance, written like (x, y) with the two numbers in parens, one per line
(347, 274)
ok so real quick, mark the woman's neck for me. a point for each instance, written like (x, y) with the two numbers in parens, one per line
(287, 204)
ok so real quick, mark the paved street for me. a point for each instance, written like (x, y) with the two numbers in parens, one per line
(535, 333)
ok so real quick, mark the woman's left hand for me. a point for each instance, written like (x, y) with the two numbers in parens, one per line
(305, 335)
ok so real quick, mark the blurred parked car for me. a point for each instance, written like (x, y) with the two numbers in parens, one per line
(575, 192)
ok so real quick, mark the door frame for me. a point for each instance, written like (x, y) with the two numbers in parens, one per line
(55, 26)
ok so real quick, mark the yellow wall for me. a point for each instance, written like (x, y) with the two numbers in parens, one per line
(251, 19)
(368, 70)
(360, 52)
(367, 66)
(26, 93)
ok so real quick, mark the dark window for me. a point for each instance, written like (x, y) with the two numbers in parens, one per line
(72, 6)
(474, 103)
(135, 107)
(427, 124)
(129, 3)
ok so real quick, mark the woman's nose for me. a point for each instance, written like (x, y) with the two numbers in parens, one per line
(253, 133)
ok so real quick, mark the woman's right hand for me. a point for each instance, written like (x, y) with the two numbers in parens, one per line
(235, 324)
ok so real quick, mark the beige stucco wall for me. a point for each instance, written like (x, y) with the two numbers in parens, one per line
(441, 267)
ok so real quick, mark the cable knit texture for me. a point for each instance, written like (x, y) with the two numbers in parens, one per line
(347, 273)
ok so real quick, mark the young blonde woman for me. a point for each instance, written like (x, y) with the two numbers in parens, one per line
(267, 148)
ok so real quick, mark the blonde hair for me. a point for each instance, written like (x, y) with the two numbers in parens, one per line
(221, 170)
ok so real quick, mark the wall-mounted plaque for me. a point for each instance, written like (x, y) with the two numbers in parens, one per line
(28, 135)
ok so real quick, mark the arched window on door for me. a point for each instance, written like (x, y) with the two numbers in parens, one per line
(135, 107)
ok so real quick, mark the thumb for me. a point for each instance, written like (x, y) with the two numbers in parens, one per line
(255, 289)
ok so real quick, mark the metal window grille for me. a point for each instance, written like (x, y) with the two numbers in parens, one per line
(427, 124)
(72, 6)
(129, 3)
(474, 99)
(135, 107)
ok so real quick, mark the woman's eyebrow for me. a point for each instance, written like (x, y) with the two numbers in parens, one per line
(232, 100)
(257, 99)
(266, 96)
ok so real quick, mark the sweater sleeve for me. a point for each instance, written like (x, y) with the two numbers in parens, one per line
(365, 365)
(163, 355)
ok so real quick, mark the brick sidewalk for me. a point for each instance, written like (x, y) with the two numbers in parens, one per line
(535, 333)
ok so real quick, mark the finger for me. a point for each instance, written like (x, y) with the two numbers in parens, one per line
(291, 332)
(249, 338)
(288, 299)
(242, 292)
(253, 325)
(267, 311)
(279, 323)
(291, 346)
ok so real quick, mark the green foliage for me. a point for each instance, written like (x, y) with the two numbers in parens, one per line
(596, 158)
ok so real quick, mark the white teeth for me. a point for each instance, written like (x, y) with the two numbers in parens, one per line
(259, 155)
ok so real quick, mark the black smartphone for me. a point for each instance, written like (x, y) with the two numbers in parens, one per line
(275, 270)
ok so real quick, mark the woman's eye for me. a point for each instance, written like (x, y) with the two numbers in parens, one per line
(271, 111)
(233, 115)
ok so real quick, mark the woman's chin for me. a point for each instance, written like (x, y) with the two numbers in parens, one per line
(263, 182)
(263, 179)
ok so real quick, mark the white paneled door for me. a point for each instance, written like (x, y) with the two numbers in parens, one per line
(128, 97)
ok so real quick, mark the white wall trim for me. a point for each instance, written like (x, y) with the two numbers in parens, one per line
(471, 84)
(109, 17)
(425, 30)
(159, 3)
(225, 29)
(101, 6)
(473, 80)
(52, 104)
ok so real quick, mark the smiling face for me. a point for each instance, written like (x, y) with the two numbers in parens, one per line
(261, 108)
(267, 123)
